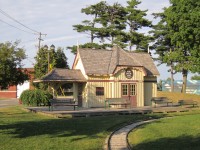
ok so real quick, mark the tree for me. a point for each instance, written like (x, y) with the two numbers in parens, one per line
(88, 45)
(113, 23)
(110, 25)
(60, 59)
(135, 21)
(11, 57)
(195, 77)
(162, 45)
(181, 21)
(90, 26)
(57, 59)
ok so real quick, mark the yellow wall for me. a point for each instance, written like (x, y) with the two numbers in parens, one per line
(112, 87)
(150, 88)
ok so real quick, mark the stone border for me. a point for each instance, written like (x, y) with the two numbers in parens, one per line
(118, 140)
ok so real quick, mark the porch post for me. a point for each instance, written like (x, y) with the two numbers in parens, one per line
(75, 91)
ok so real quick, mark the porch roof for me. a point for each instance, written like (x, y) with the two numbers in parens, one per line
(63, 75)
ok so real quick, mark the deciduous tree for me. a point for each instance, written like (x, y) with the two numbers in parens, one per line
(11, 72)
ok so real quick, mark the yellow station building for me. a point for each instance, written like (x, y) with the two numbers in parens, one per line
(100, 74)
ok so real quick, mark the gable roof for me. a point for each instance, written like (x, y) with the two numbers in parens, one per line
(103, 62)
(64, 75)
(147, 62)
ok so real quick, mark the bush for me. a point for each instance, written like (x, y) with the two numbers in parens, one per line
(35, 97)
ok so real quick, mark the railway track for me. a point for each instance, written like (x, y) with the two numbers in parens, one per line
(118, 139)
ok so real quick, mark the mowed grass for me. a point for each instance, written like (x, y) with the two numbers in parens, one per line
(180, 132)
(21, 130)
(178, 96)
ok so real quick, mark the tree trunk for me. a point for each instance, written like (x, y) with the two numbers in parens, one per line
(130, 47)
(92, 37)
(184, 85)
(172, 78)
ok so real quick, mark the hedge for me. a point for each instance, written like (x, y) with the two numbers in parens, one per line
(35, 97)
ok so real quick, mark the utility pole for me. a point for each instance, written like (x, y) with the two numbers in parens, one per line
(40, 39)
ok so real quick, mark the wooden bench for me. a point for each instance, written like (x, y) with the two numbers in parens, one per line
(161, 100)
(116, 101)
(62, 102)
(188, 102)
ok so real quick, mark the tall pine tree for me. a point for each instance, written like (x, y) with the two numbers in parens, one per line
(110, 24)
(135, 21)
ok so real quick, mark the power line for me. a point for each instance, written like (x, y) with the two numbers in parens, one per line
(16, 27)
(7, 15)
(35, 32)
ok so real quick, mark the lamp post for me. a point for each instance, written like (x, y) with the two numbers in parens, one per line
(52, 47)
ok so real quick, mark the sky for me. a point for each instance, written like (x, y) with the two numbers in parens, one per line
(55, 19)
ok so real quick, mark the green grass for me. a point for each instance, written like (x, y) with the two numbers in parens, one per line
(24, 130)
(21, 130)
(180, 132)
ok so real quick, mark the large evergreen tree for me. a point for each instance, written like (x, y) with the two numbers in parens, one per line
(113, 23)
(135, 21)
(90, 26)
(110, 24)
(181, 21)
(163, 45)
(11, 56)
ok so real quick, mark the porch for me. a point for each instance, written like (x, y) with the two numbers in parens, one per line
(68, 112)
(65, 84)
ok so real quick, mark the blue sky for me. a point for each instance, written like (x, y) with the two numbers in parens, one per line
(55, 18)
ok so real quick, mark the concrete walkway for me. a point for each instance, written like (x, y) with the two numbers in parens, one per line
(118, 140)
(8, 102)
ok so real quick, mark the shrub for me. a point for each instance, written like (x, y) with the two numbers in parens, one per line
(35, 97)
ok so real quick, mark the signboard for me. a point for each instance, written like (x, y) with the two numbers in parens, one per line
(128, 73)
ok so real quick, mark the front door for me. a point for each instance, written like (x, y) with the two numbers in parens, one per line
(129, 92)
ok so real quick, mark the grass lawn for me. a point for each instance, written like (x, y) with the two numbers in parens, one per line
(21, 130)
(180, 132)
(175, 96)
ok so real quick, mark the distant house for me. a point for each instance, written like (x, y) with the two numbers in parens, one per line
(15, 91)
(100, 74)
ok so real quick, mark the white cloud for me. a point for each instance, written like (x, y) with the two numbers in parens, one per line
(63, 38)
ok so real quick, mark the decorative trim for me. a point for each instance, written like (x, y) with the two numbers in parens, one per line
(101, 81)
(113, 81)
(128, 73)
(154, 81)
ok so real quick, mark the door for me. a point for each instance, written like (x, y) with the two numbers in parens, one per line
(129, 92)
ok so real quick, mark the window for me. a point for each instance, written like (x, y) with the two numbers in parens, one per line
(99, 91)
(124, 89)
(132, 89)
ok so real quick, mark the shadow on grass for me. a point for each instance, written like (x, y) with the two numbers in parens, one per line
(179, 143)
(79, 128)
(53, 127)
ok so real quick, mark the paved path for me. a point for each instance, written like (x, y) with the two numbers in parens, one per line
(118, 140)
(8, 102)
